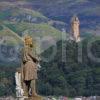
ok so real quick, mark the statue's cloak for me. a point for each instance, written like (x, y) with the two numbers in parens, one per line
(29, 64)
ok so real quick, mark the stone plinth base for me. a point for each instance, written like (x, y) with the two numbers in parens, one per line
(34, 98)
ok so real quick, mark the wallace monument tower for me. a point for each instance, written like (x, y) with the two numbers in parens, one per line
(75, 28)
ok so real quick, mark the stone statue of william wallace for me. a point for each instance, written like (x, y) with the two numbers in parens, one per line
(29, 67)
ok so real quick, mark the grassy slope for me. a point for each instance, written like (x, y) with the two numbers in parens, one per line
(18, 28)
(42, 31)
(13, 38)
(39, 30)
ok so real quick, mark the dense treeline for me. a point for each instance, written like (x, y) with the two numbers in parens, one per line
(71, 77)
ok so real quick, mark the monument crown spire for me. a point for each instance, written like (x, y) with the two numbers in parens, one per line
(75, 30)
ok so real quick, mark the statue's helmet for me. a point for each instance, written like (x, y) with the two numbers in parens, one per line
(28, 40)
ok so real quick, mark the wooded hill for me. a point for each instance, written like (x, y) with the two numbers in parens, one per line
(70, 78)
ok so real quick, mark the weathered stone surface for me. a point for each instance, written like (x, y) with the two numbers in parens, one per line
(35, 98)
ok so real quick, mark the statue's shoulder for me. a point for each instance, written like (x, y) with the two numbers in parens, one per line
(24, 49)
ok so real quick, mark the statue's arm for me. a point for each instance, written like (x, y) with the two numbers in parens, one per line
(34, 58)
(24, 53)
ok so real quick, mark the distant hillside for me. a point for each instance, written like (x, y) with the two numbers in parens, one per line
(16, 22)
(63, 10)
(12, 12)
(10, 45)
(35, 30)
(44, 20)
(15, 13)
(8, 36)
(20, 20)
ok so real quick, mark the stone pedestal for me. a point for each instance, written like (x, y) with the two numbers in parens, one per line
(19, 90)
(34, 98)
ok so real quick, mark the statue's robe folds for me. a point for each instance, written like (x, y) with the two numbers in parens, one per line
(29, 64)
